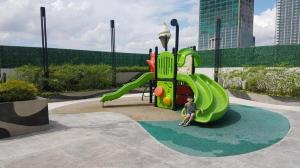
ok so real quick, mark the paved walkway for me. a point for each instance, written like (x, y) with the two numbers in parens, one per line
(132, 107)
(114, 140)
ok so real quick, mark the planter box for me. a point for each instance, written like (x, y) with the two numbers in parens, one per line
(22, 117)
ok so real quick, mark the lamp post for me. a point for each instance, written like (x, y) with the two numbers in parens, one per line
(217, 50)
(164, 36)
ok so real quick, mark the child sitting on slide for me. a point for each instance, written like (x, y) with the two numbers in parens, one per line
(190, 112)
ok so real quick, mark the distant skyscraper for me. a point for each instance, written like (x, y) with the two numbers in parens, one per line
(236, 27)
(288, 22)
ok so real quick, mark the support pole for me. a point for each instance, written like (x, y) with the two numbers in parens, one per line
(113, 54)
(174, 22)
(151, 81)
(44, 48)
(217, 50)
(174, 79)
(193, 62)
(155, 75)
(166, 41)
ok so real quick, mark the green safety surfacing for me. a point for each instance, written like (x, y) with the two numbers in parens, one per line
(243, 129)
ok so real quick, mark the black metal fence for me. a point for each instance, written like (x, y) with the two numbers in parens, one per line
(11, 57)
(278, 55)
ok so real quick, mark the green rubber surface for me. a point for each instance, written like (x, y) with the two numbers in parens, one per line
(242, 129)
(146, 77)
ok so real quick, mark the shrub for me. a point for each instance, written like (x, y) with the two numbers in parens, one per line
(280, 81)
(70, 77)
(15, 90)
(28, 73)
(79, 77)
(67, 77)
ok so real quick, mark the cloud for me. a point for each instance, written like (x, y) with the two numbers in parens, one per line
(264, 27)
(84, 24)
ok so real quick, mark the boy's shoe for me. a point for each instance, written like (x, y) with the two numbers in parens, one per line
(181, 124)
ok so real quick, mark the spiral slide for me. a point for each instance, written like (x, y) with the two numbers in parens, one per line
(146, 77)
(210, 98)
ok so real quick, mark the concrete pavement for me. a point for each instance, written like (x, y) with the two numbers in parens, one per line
(114, 140)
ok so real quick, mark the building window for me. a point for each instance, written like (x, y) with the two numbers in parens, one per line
(212, 43)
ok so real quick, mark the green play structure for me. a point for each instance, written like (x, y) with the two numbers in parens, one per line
(210, 98)
(174, 79)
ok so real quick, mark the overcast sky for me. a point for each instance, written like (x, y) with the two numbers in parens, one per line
(84, 24)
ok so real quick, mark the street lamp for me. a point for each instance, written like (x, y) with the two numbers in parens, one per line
(164, 36)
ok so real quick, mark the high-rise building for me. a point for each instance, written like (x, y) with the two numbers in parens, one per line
(236, 27)
(288, 22)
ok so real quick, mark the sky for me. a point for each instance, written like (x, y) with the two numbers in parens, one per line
(262, 5)
(84, 24)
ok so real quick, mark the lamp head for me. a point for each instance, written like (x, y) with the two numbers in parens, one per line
(164, 35)
(174, 22)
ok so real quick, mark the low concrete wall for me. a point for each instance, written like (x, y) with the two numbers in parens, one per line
(287, 101)
(8, 71)
(22, 117)
(124, 77)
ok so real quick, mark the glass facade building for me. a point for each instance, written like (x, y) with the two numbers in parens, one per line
(236, 26)
(288, 22)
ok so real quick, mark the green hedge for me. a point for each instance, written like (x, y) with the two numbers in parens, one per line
(69, 77)
(272, 81)
(14, 90)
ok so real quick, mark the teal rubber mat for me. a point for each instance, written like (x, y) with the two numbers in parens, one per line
(243, 129)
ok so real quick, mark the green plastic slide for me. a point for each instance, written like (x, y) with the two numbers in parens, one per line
(146, 77)
(210, 98)
(183, 53)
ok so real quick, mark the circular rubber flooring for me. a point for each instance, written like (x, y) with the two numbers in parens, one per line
(243, 129)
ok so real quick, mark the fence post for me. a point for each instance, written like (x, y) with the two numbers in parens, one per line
(3, 79)
(151, 81)
(44, 48)
(193, 61)
(112, 27)
(155, 74)
(1, 55)
(217, 50)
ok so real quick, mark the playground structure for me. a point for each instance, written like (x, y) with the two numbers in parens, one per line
(174, 78)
